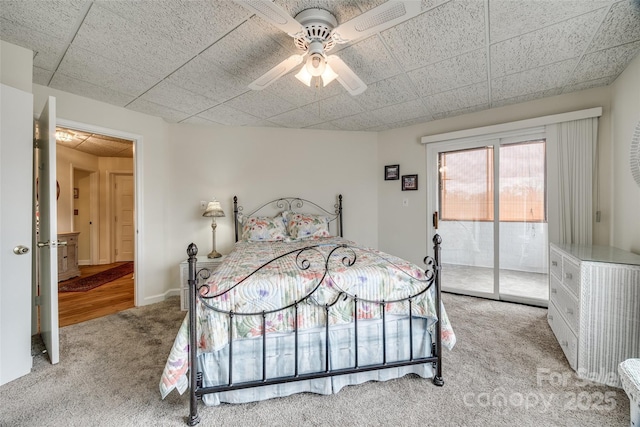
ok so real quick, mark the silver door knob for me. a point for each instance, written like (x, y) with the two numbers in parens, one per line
(20, 250)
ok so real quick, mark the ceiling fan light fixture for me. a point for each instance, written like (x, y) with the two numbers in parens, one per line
(304, 76)
(316, 64)
(63, 136)
(328, 76)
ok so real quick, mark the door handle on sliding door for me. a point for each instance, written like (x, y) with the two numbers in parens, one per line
(435, 220)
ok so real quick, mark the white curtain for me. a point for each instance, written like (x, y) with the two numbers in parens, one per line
(571, 173)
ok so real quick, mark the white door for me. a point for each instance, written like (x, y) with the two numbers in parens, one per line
(124, 201)
(48, 229)
(16, 213)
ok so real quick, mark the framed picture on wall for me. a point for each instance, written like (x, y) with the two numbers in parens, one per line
(409, 182)
(391, 172)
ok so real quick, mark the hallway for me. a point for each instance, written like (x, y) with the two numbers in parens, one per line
(112, 297)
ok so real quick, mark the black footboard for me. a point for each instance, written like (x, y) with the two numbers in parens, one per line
(346, 257)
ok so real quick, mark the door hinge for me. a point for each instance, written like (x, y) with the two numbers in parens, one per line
(37, 300)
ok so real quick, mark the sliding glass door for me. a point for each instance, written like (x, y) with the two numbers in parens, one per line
(487, 201)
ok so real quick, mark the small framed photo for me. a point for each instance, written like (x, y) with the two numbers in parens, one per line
(391, 172)
(76, 193)
(409, 182)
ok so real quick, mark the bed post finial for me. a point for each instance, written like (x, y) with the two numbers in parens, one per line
(192, 250)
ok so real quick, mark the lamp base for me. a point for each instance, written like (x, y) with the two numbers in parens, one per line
(214, 254)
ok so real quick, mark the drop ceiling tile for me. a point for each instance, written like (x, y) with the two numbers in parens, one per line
(621, 25)
(526, 98)
(356, 122)
(89, 90)
(366, 57)
(411, 122)
(260, 103)
(324, 126)
(55, 18)
(334, 107)
(197, 120)
(247, 51)
(292, 90)
(400, 112)
(207, 79)
(41, 76)
(555, 43)
(440, 33)
(110, 35)
(458, 71)
(297, 118)
(89, 67)
(531, 81)
(105, 147)
(589, 84)
(168, 114)
(604, 63)
(177, 98)
(513, 18)
(192, 25)
(228, 116)
(457, 99)
(47, 49)
(391, 91)
(453, 113)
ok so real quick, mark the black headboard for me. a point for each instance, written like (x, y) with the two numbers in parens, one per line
(291, 204)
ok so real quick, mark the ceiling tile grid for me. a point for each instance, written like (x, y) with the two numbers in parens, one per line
(89, 90)
(191, 61)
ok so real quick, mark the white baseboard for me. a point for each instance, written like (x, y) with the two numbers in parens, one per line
(161, 297)
(84, 262)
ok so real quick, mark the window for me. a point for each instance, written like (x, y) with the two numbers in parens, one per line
(466, 183)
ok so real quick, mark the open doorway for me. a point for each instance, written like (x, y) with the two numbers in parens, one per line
(96, 276)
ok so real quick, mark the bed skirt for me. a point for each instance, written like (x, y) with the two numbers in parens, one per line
(247, 359)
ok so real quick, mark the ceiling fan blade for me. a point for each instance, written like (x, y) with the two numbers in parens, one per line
(273, 14)
(377, 19)
(276, 72)
(347, 78)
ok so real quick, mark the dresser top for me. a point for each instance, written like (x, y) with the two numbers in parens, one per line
(599, 253)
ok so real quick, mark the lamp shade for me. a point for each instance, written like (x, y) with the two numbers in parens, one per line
(213, 209)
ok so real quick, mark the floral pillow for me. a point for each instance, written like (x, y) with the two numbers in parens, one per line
(263, 228)
(303, 226)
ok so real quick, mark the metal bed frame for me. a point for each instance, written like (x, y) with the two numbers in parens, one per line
(346, 256)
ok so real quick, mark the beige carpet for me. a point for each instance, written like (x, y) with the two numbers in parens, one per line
(506, 370)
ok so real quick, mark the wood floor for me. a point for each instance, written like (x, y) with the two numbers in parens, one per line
(112, 297)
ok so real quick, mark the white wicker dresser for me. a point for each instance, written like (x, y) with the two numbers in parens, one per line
(594, 308)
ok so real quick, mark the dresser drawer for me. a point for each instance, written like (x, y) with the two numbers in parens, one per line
(571, 275)
(565, 302)
(566, 338)
(555, 263)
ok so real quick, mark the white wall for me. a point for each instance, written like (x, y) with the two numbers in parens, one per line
(16, 65)
(260, 164)
(625, 114)
(402, 230)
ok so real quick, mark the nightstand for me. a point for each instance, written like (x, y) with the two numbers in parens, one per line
(203, 262)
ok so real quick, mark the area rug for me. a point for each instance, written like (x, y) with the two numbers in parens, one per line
(82, 284)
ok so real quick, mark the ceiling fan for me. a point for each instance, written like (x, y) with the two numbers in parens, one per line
(316, 32)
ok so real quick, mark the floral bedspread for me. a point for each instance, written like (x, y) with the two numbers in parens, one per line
(374, 276)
